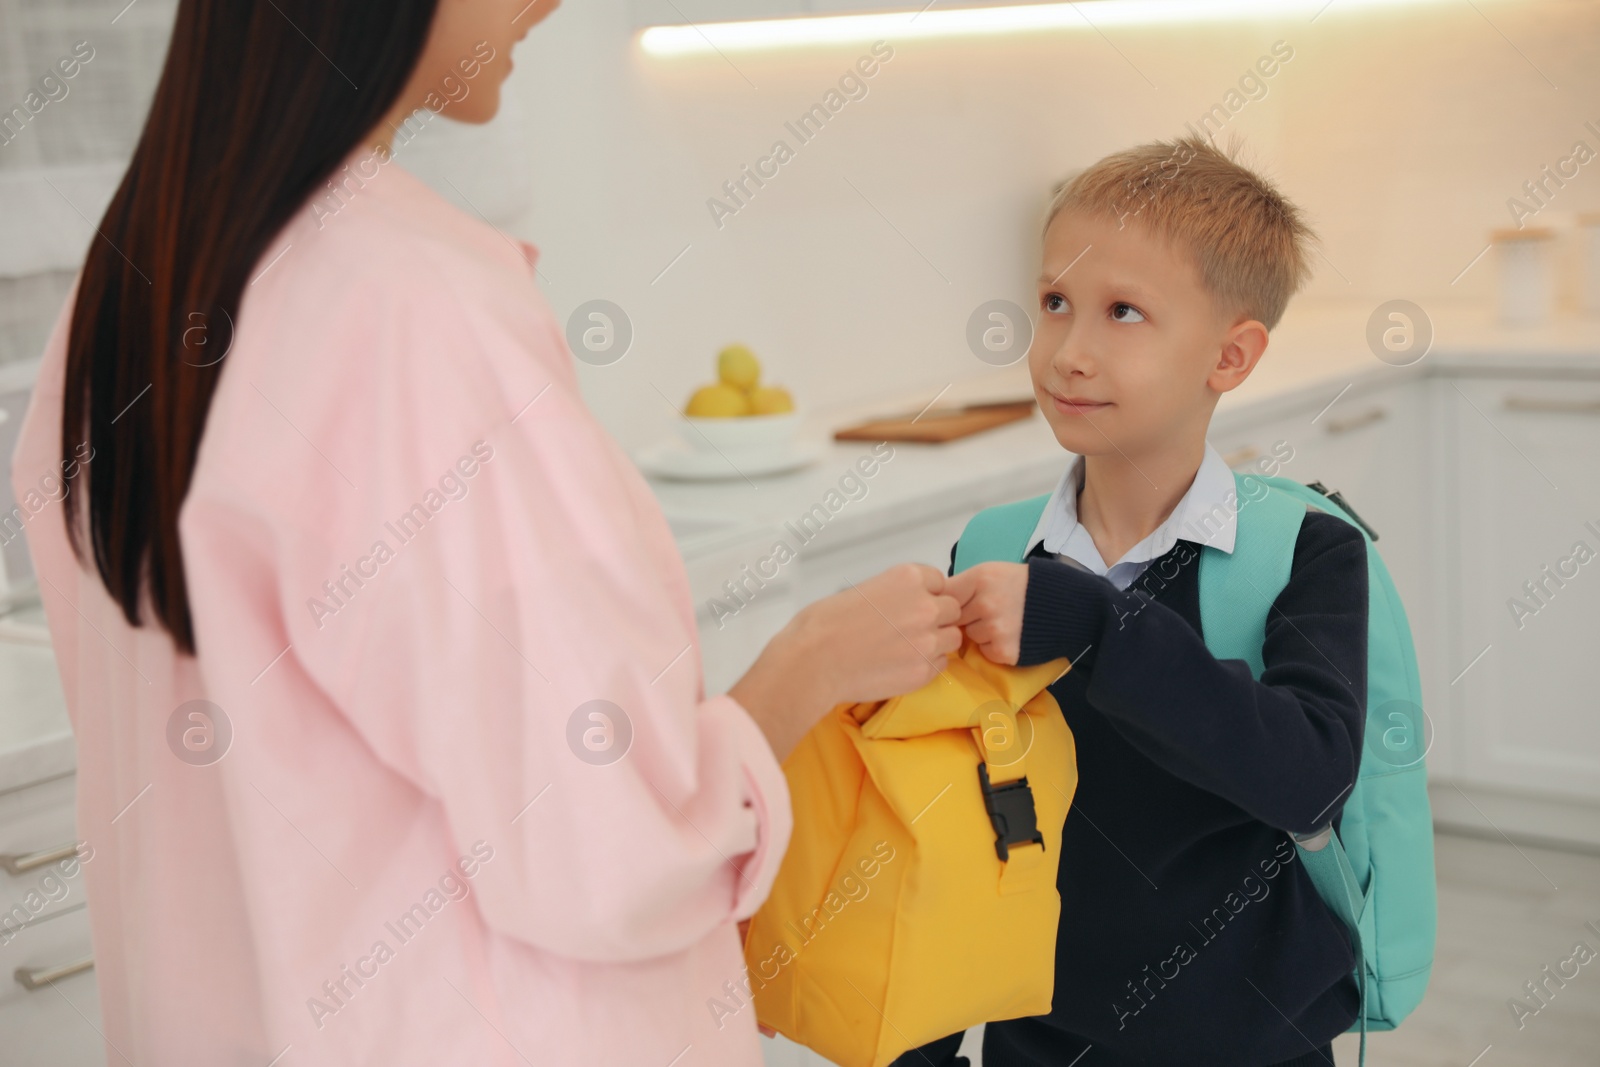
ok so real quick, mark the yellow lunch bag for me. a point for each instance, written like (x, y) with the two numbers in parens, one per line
(918, 895)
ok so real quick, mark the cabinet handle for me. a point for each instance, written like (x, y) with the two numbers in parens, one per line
(1551, 404)
(1355, 422)
(1241, 455)
(22, 863)
(38, 977)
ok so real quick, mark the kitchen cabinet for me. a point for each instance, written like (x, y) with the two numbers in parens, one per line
(1526, 680)
(738, 608)
(739, 601)
(49, 1003)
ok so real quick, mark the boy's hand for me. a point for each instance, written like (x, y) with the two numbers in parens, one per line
(991, 597)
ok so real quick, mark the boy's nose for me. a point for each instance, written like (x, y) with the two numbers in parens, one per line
(1072, 353)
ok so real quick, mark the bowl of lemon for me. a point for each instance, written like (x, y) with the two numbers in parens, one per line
(738, 412)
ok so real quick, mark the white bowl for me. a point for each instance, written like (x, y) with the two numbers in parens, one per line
(740, 433)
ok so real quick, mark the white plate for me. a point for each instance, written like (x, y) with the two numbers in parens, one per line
(674, 458)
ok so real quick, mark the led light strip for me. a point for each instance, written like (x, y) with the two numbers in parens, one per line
(768, 34)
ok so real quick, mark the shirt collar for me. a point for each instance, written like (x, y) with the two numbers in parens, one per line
(1206, 515)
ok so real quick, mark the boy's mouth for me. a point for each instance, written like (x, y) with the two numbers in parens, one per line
(1078, 405)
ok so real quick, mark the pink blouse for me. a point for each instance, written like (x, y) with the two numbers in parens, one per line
(454, 793)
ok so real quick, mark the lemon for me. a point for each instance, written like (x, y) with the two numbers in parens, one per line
(738, 366)
(718, 401)
(770, 400)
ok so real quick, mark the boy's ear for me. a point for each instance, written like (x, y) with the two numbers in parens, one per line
(1241, 349)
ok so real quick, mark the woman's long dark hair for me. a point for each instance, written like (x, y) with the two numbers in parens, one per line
(256, 106)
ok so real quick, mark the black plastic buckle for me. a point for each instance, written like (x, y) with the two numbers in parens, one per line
(1011, 812)
(1338, 499)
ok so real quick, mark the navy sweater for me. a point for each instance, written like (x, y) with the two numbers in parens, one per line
(1189, 932)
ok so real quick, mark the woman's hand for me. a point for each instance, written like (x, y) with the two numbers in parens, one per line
(992, 597)
(885, 636)
(882, 637)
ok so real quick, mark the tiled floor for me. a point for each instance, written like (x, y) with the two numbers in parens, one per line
(1505, 912)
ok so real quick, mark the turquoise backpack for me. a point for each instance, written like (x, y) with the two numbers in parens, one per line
(1386, 824)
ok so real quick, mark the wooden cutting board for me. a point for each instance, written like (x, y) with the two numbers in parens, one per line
(938, 426)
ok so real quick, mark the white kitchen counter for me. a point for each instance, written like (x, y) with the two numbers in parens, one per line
(1316, 352)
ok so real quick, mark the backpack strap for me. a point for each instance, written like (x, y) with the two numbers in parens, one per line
(1237, 592)
(999, 533)
(1237, 589)
(1337, 885)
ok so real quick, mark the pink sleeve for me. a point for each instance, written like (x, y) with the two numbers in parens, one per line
(480, 583)
(768, 793)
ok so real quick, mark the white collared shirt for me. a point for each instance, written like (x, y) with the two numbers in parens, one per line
(1206, 515)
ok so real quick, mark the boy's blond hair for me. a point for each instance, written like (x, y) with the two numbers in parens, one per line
(1248, 240)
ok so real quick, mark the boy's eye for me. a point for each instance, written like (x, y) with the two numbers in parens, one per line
(1115, 308)
(1055, 302)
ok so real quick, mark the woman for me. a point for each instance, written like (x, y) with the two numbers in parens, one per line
(392, 742)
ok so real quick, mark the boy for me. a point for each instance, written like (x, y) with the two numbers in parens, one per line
(1189, 935)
